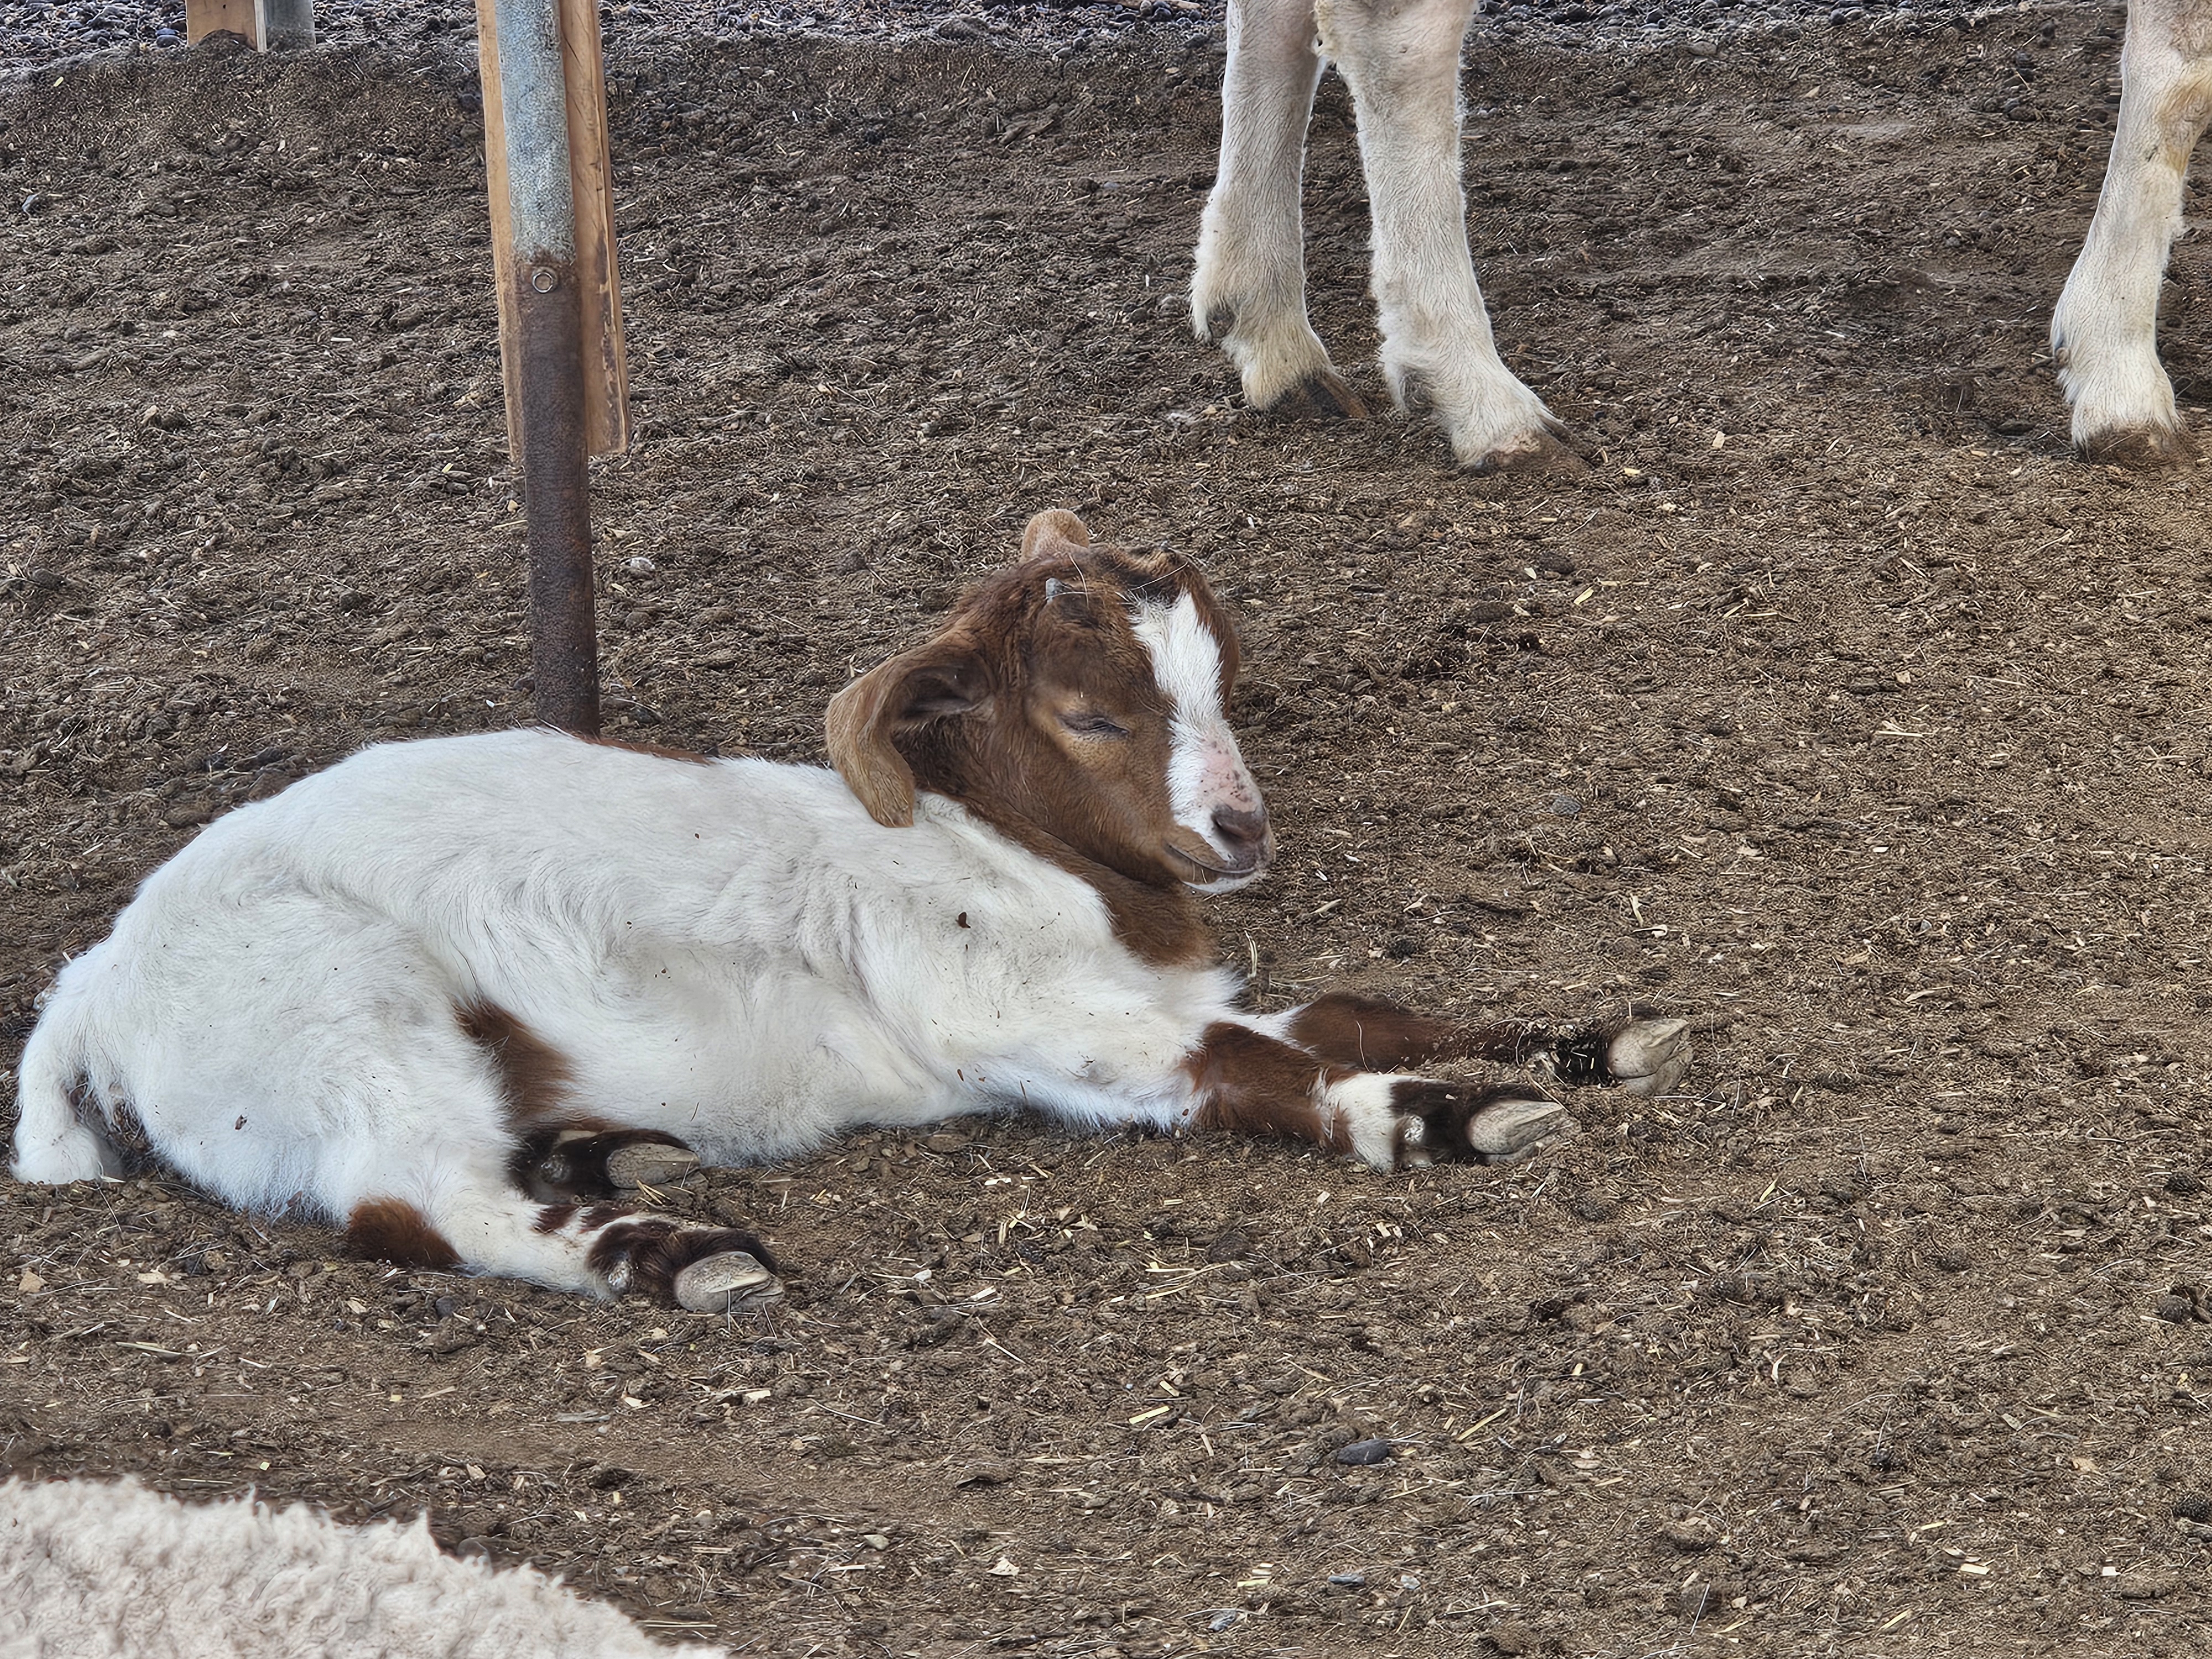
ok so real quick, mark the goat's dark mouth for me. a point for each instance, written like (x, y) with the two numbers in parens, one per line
(1211, 870)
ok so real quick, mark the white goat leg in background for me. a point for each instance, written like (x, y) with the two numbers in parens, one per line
(1400, 59)
(1248, 291)
(2104, 335)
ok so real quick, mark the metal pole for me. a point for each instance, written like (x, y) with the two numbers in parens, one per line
(539, 224)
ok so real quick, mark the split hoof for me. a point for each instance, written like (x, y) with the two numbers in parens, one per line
(1508, 1131)
(649, 1164)
(2141, 449)
(1325, 396)
(1650, 1056)
(1542, 453)
(731, 1282)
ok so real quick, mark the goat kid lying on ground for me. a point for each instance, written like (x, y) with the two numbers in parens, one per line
(450, 993)
(2104, 335)
(1400, 60)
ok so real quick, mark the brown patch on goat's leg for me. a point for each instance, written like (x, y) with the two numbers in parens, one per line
(393, 1230)
(1371, 1034)
(1253, 1085)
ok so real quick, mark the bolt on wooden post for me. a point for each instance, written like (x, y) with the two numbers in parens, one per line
(560, 315)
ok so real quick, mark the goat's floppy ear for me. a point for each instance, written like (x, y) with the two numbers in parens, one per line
(1054, 524)
(928, 683)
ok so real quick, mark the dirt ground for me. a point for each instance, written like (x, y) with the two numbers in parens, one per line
(1837, 704)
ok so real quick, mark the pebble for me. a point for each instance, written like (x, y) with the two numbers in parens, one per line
(1363, 1452)
(2193, 1506)
(1348, 1580)
(1567, 806)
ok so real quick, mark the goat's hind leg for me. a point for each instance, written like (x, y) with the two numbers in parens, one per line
(1248, 290)
(442, 1207)
(1401, 58)
(2104, 334)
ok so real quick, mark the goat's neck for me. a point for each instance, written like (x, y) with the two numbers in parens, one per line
(1157, 923)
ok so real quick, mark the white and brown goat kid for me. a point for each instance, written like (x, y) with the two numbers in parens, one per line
(2104, 335)
(1401, 61)
(453, 993)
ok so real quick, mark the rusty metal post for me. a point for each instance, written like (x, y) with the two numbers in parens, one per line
(527, 123)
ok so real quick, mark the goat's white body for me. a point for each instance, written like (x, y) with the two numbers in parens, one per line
(732, 953)
(2105, 330)
(96, 1570)
(1401, 60)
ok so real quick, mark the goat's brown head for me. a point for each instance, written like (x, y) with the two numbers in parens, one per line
(1080, 698)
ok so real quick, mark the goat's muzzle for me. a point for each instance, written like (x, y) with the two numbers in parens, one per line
(1241, 848)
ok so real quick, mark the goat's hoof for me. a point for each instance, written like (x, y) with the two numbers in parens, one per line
(728, 1283)
(649, 1164)
(1508, 1129)
(1323, 395)
(1540, 452)
(2140, 448)
(1649, 1056)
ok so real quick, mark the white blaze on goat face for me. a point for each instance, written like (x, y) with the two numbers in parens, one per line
(1207, 778)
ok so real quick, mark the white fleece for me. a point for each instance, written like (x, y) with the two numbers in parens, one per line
(99, 1569)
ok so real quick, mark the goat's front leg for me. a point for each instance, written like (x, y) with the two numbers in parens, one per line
(1249, 1082)
(2104, 335)
(1248, 288)
(1401, 58)
(1640, 1053)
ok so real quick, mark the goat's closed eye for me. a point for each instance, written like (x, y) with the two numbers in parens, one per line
(1084, 723)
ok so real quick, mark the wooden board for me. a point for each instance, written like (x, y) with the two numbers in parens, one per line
(206, 17)
(606, 378)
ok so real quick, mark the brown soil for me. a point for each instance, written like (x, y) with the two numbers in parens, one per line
(1837, 702)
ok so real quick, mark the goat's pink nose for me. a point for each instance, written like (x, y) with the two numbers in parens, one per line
(1242, 831)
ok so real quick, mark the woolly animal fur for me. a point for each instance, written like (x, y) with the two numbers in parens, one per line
(97, 1569)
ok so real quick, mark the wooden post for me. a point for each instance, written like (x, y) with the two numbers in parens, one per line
(270, 25)
(560, 312)
(591, 198)
(206, 17)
